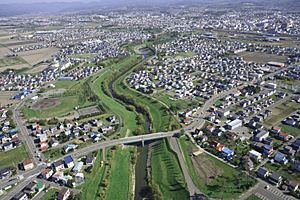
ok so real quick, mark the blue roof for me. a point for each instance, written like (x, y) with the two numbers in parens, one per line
(280, 156)
(70, 146)
(14, 130)
(266, 146)
(296, 165)
(7, 144)
(269, 140)
(227, 151)
(68, 159)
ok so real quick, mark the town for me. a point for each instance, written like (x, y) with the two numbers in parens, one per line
(181, 101)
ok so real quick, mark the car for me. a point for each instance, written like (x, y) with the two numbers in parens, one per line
(267, 187)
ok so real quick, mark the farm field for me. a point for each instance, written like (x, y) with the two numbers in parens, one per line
(280, 112)
(3, 51)
(35, 56)
(119, 177)
(261, 57)
(5, 97)
(167, 173)
(11, 61)
(36, 69)
(234, 181)
(16, 155)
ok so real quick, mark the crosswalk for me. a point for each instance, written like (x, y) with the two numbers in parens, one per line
(279, 194)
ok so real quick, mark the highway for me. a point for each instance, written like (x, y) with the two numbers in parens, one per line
(39, 165)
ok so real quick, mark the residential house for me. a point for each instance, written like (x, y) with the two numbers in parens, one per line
(90, 158)
(296, 166)
(111, 118)
(53, 128)
(293, 185)
(247, 161)
(261, 135)
(4, 173)
(43, 138)
(69, 147)
(289, 150)
(63, 194)
(267, 149)
(45, 130)
(29, 188)
(67, 131)
(65, 179)
(57, 176)
(276, 129)
(27, 164)
(262, 172)
(234, 124)
(78, 167)
(255, 155)
(227, 153)
(99, 123)
(53, 143)
(284, 136)
(69, 161)
(40, 186)
(20, 196)
(269, 141)
(279, 157)
(7, 146)
(58, 165)
(203, 138)
(231, 135)
(47, 173)
(217, 132)
(43, 145)
(85, 138)
(275, 178)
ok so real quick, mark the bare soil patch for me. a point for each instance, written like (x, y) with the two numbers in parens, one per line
(37, 69)
(261, 57)
(46, 104)
(205, 168)
(35, 56)
(4, 51)
(5, 97)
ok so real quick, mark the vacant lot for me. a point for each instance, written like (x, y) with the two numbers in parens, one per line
(36, 69)
(280, 112)
(35, 56)
(89, 110)
(261, 57)
(13, 157)
(11, 61)
(5, 97)
(4, 51)
(205, 168)
(46, 104)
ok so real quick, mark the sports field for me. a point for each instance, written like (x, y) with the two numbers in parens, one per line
(261, 57)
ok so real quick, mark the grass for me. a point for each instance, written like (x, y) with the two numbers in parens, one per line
(167, 172)
(253, 197)
(284, 170)
(214, 187)
(289, 129)
(50, 194)
(29, 113)
(168, 101)
(119, 177)
(157, 110)
(1, 46)
(13, 157)
(65, 84)
(68, 103)
(218, 102)
(129, 118)
(93, 180)
(9, 61)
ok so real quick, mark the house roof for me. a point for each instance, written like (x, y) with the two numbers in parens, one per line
(276, 128)
(39, 185)
(58, 163)
(227, 150)
(27, 162)
(279, 156)
(46, 171)
(78, 166)
(262, 170)
(89, 158)
(68, 159)
(4, 170)
(293, 183)
(275, 176)
(62, 193)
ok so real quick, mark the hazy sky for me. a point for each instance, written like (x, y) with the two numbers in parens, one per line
(35, 1)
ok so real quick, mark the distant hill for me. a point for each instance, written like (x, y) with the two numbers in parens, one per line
(54, 7)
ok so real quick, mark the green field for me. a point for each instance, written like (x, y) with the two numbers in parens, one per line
(68, 103)
(218, 102)
(13, 157)
(29, 113)
(93, 180)
(129, 118)
(48, 28)
(157, 110)
(167, 172)
(253, 197)
(284, 170)
(289, 129)
(10, 61)
(280, 112)
(185, 54)
(168, 101)
(50, 194)
(119, 177)
(234, 186)
(65, 84)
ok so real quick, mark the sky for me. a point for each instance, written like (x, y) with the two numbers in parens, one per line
(36, 1)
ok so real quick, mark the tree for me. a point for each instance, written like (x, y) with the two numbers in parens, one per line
(117, 146)
(105, 183)
(10, 113)
(102, 193)
(78, 196)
